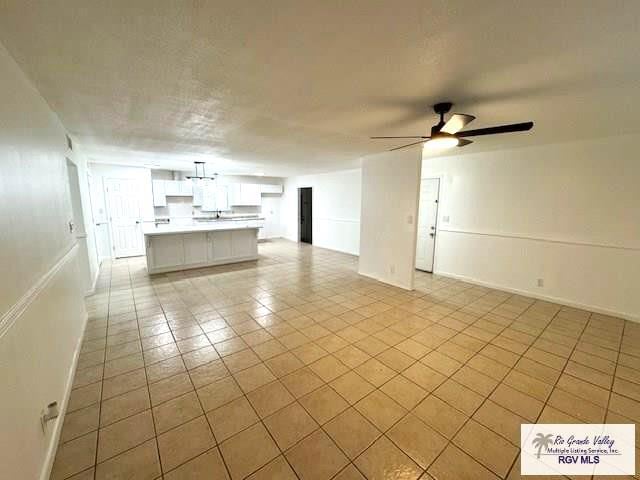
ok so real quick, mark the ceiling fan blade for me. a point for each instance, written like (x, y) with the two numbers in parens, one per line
(419, 136)
(514, 127)
(463, 142)
(410, 144)
(457, 122)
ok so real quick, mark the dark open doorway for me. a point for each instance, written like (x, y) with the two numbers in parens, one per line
(305, 209)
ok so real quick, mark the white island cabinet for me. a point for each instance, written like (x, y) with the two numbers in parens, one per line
(172, 248)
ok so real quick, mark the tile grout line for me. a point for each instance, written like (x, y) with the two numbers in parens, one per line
(261, 420)
(155, 431)
(95, 460)
(477, 318)
(459, 307)
(204, 414)
(410, 411)
(615, 370)
(554, 386)
(449, 441)
(249, 367)
(353, 406)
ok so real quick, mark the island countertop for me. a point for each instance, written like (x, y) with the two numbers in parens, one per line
(167, 229)
(171, 248)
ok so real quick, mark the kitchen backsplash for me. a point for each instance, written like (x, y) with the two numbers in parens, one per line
(183, 207)
(181, 210)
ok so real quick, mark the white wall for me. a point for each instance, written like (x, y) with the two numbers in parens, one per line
(567, 213)
(336, 209)
(390, 194)
(42, 313)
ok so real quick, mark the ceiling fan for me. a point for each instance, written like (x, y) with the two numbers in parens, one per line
(448, 134)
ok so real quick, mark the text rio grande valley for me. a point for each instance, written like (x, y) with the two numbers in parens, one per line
(580, 450)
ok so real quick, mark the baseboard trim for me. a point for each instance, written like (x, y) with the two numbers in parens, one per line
(17, 309)
(548, 298)
(55, 439)
(344, 252)
(387, 282)
(354, 254)
(267, 239)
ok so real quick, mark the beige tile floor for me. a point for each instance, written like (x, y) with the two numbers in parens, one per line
(296, 367)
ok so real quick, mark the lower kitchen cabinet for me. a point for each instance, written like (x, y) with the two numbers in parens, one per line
(220, 246)
(165, 250)
(179, 251)
(195, 248)
(243, 245)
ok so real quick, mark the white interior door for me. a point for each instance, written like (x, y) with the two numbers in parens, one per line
(100, 217)
(123, 202)
(427, 218)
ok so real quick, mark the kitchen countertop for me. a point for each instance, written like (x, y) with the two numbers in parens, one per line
(166, 229)
(201, 218)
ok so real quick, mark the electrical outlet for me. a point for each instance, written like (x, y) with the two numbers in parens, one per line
(392, 269)
(445, 219)
(541, 282)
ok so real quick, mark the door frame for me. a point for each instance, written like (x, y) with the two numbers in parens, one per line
(77, 224)
(300, 212)
(437, 222)
(97, 186)
(107, 205)
(93, 221)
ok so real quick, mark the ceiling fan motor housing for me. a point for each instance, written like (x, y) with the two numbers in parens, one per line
(441, 109)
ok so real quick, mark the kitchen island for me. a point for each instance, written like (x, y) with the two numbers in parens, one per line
(171, 248)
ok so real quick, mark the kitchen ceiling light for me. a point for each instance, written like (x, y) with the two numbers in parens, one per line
(201, 175)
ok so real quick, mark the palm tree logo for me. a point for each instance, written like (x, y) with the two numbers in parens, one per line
(542, 441)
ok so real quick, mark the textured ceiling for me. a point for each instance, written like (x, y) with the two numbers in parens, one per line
(288, 87)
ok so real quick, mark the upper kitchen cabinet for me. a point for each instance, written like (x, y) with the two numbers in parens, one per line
(245, 194)
(222, 197)
(171, 188)
(186, 188)
(198, 190)
(214, 197)
(178, 188)
(271, 188)
(159, 194)
(209, 203)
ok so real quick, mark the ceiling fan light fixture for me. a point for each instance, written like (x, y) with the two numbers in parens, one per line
(448, 134)
(441, 142)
